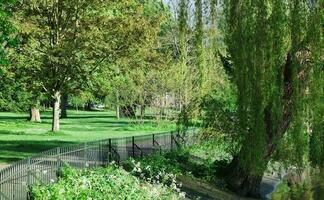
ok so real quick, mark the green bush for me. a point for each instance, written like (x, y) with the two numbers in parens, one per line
(155, 169)
(102, 184)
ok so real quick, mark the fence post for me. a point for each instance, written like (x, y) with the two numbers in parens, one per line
(153, 139)
(171, 140)
(28, 173)
(100, 153)
(133, 146)
(85, 154)
(109, 150)
(58, 162)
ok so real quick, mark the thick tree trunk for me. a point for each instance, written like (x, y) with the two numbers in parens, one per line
(34, 114)
(241, 181)
(64, 104)
(56, 112)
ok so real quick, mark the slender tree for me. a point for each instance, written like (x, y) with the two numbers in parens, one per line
(199, 44)
(183, 51)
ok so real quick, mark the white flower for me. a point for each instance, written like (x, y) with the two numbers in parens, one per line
(182, 195)
(61, 191)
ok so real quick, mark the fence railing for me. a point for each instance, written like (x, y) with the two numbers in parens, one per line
(17, 179)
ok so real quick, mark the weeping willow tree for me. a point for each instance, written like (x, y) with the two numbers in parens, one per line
(317, 87)
(276, 47)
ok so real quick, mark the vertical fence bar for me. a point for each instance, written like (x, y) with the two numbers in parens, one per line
(58, 151)
(85, 156)
(28, 176)
(133, 146)
(109, 150)
(100, 160)
(171, 140)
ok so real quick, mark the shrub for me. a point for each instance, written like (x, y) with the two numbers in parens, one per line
(102, 184)
(155, 169)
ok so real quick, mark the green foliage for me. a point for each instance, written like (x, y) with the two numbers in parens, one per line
(79, 99)
(103, 183)
(99, 47)
(199, 44)
(310, 188)
(150, 126)
(10, 99)
(267, 41)
(7, 35)
(154, 169)
(220, 112)
(317, 86)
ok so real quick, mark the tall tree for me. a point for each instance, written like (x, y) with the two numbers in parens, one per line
(54, 34)
(317, 87)
(73, 41)
(199, 44)
(272, 58)
(183, 48)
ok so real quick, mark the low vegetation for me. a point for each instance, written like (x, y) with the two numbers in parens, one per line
(103, 183)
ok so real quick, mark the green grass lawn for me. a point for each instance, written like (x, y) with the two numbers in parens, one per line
(20, 138)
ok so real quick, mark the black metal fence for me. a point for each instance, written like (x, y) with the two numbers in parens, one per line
(16, 179)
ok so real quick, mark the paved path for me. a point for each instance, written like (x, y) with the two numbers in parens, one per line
(3, 165)
(269, 185)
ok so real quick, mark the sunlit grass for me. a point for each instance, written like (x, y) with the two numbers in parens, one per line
(20, 138)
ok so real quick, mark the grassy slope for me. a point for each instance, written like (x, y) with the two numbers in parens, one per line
(20, 138)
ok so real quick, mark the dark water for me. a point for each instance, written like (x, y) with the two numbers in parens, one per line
(311, 189)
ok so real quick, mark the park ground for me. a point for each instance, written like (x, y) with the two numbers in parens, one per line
(20, 138)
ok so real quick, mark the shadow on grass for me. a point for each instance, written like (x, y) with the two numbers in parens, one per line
(73, 116)
(6, 132)
(11, 151)
(13, 118)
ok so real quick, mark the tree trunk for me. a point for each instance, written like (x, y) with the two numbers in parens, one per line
(34, 114)
(88, 106)
(117, 111)
(117, 106)
(242, 181)
(56, 112)
(64, 104)
(143, 111)
(128, 111)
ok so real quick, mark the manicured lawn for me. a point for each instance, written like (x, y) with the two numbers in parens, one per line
(20, 138)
